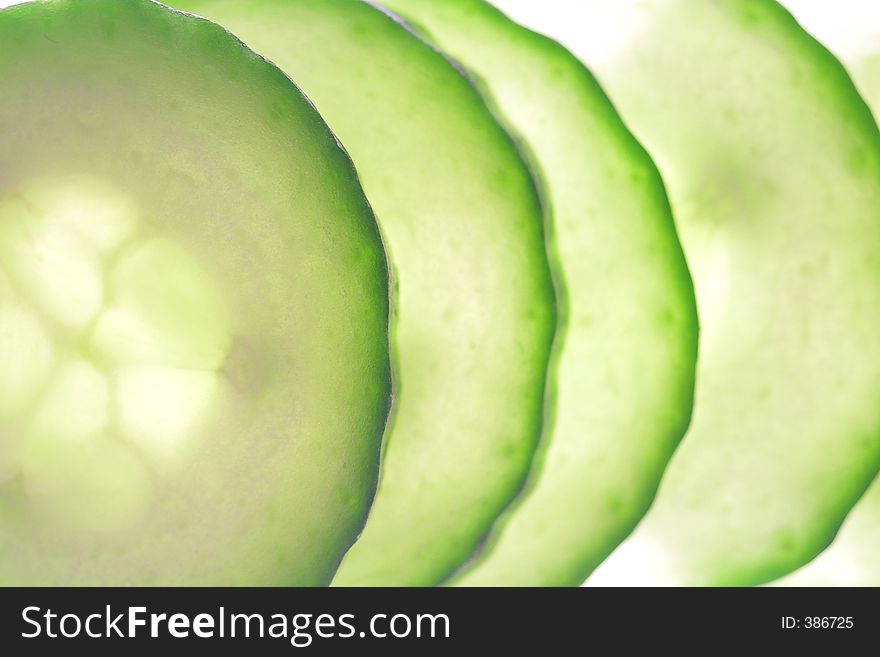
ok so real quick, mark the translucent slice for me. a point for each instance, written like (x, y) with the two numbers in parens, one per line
(773, 166)
(474, 315)
(851, 29)
(622, 379)
(194, 368)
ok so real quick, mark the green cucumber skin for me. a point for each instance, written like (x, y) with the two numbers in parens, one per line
(621, 384)
(772, 162)
(211, 141)
(475, 316)
(848, 30)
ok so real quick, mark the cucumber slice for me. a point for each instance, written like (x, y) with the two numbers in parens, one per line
(622, 378)
(773, 165)
(475, 316)
(849, 29)
(194, 364)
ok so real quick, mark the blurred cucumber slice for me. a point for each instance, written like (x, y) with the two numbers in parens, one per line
(622, 378)
(474, 315)
(194, 366)
(773, 165)
(849, 28)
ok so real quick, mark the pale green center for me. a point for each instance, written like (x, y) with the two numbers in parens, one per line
(111, 343)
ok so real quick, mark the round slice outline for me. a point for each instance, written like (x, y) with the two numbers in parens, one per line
(850, 33)
(475, 313)
(280, 486)
(737, 517)
(621, 383)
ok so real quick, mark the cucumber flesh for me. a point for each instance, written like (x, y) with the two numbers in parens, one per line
(474, 318)
(621, 382)
(194, 360)
(849, 29)
(773, 165)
